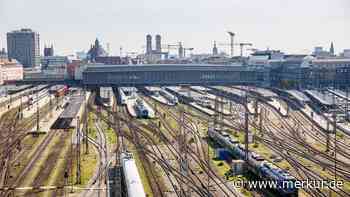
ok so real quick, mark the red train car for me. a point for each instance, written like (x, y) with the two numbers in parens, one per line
(60, 90)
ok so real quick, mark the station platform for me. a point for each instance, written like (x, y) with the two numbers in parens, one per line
(340, 94)
(264, 92)
(317, 118)
(154, 93)
(236, 92)
(50, 118)
(202, 109)
(29, 111)
(257, 90)
(345, 127)
(203, 91)
(278, 106)
(14, 104)
(300, 96)
(130, 107)
(161, 99)
(322, 98)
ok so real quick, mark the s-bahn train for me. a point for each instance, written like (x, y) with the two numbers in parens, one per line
(140, 109)
(131, 176)
(262, 168)
(171, 98)
(37, 96)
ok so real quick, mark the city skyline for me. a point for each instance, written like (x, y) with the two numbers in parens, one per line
(74, 25)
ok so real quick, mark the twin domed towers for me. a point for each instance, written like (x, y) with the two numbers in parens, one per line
(149, 48)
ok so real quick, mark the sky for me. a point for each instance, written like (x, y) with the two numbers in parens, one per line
(293, 26)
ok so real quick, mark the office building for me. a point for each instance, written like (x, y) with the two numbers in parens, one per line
(24, 46)
(50, 61)
(10, 70)
(48, 51)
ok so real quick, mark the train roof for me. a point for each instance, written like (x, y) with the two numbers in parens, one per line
(132, 177)
(163, 67)
(298, 95)
(320, 97)
(339, 93)
(128, 89)
(264, 92)
(231, 90)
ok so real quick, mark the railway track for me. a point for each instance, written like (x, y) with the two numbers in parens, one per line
(290, 143)
(12, 146)
(31, 163)
(291, 135)
(190, 127)
(295, 146)
(160, 158)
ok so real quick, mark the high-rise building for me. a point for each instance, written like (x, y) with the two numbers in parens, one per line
(48, 51)
(148, 44)
(158, 43)
(23, 45)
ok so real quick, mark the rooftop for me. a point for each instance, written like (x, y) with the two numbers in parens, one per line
(163, 67)
(23, 30)
(298, 95)
(324, 99)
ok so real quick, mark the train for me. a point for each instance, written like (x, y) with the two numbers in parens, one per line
(13, 89)
(59, 90)
(37, 96)
(262, 168)
(107, 96)
(140, 109)
(124, 93)
(173, 100)
(131, 176)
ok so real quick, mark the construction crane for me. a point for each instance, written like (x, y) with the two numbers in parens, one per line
(187, 49)
(241, 45)
(179, 46)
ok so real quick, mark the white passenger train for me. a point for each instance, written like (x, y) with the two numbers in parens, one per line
(121, 96)
(131, 176)
(125, 93)
(107, 96)
(171, 98)
(141, 110)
